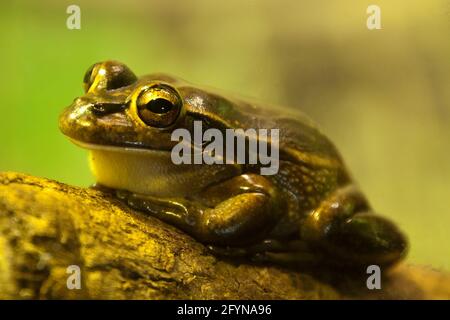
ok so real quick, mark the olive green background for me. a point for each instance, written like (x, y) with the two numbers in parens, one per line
(383, 96)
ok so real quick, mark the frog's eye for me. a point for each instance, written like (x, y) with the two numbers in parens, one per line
(108, 75)
(159, 106)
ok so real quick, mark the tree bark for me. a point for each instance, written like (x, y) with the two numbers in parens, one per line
(46, 226)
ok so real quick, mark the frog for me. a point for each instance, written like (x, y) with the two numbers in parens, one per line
(310, 211)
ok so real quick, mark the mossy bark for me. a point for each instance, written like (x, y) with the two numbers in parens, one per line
(46, 226)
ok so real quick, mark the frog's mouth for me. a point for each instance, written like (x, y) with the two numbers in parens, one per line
(117, 148)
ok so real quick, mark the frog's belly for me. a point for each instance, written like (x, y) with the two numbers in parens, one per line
(152, 172)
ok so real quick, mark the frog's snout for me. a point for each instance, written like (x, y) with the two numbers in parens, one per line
(74, 117)
(77, 112)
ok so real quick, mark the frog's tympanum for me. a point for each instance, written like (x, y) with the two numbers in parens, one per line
(310, 210)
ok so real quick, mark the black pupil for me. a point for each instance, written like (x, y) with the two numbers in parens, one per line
(159, 106)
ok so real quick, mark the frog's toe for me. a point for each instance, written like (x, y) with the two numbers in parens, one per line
(366, 239)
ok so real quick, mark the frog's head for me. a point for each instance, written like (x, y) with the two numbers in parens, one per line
(127, 122)
(119, 109)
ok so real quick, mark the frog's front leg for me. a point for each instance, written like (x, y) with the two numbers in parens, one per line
(345, 227)
(239, 211)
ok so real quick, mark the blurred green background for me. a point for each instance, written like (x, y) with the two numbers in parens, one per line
(383, 96)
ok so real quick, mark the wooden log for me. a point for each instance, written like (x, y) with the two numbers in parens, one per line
(46, 226)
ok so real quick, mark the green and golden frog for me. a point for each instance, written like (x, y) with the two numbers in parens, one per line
(309, 210)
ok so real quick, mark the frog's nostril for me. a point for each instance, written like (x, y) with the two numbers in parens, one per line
(107, 108)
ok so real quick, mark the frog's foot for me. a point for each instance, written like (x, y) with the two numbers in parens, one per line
(274, 251)
(347, 230)
(272, 245)
(229, 252)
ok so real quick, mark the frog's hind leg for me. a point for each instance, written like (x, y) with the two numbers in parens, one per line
(346, 229)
